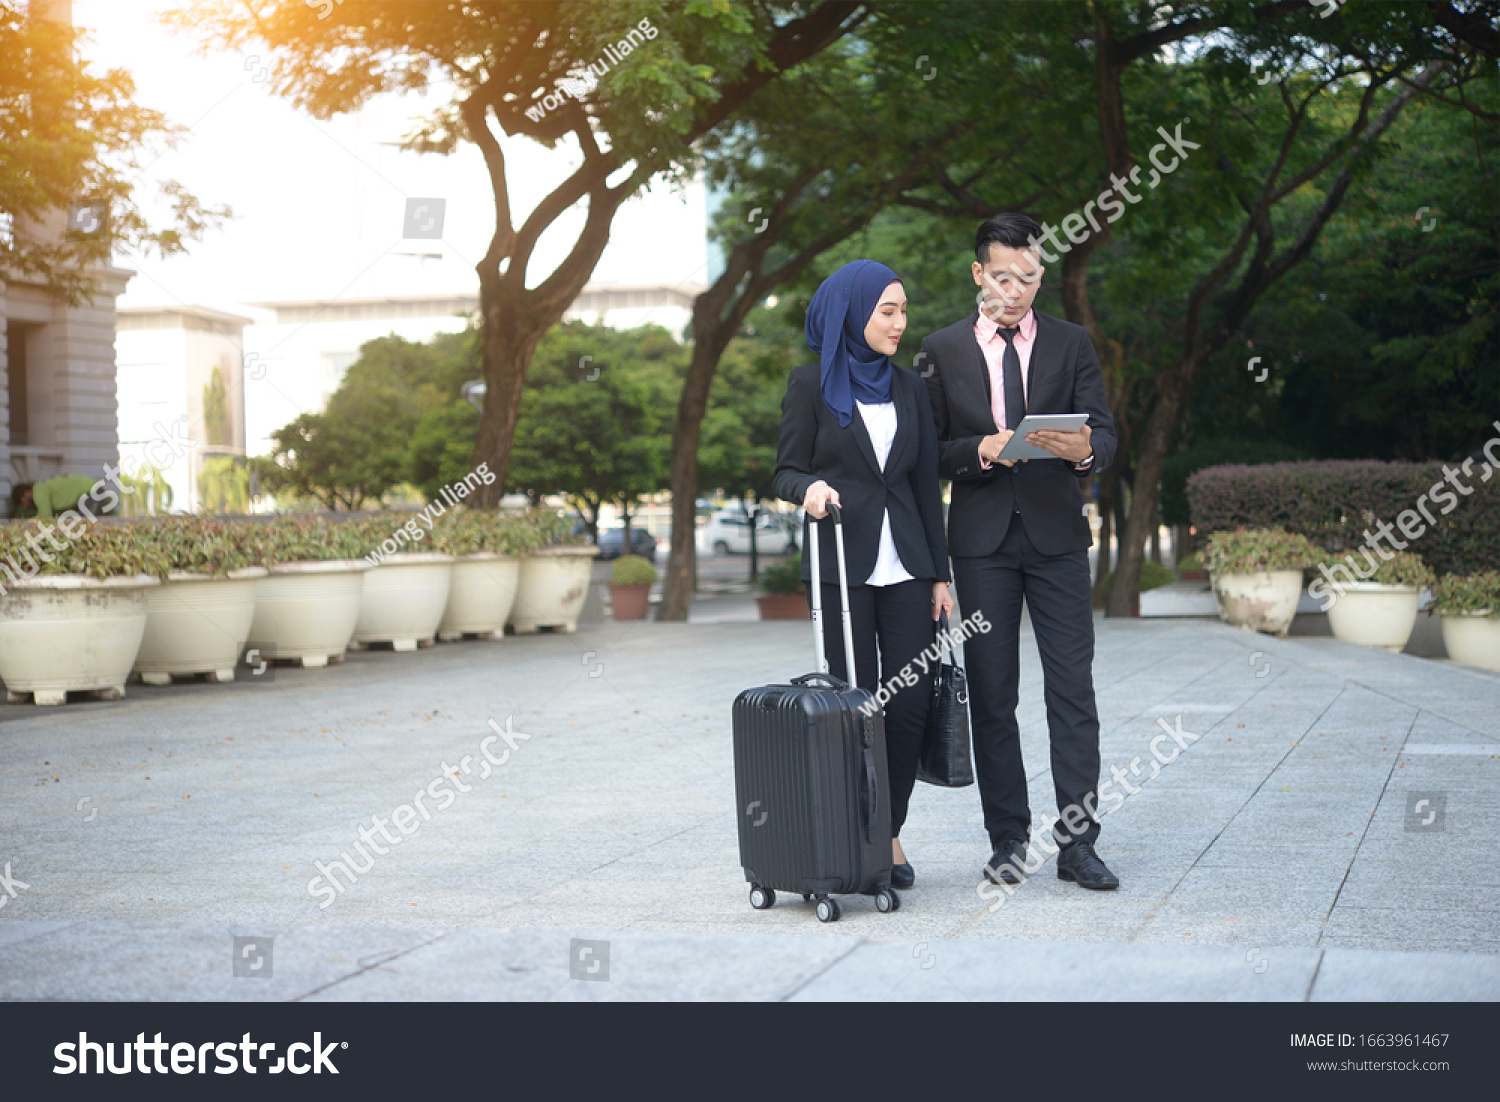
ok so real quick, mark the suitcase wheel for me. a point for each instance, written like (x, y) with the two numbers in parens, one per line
(887, 900)
(762, 898)
(807, 897)
(828, 909)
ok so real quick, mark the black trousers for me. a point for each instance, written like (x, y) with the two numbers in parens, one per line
(1056, 589)
(899, 619)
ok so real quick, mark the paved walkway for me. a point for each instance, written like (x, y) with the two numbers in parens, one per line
(1284, 855)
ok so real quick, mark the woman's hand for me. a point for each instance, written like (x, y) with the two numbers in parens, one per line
(816, 500)
(942, 599)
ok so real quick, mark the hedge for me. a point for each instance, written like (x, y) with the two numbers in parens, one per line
(1334, 502)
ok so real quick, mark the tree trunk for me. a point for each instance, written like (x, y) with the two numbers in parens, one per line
(1151, 449)
(1156, 544)
(1107, 489)
(681, 581)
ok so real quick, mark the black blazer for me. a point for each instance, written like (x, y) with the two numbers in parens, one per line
(815, 446)
(1063, 377)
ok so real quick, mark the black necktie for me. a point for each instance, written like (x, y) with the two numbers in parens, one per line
(1015, 396)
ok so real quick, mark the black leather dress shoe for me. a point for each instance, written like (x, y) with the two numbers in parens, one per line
(1006, 862)
(1080, 863)
(903, 875)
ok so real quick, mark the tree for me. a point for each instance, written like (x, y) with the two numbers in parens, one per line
(817, 154)
(358, 448)
(593, 423)
(655, 84)
(72, 141)
(224, 485)
(216, 410)
(1226, 223)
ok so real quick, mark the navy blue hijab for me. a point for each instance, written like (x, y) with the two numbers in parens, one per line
(836, 319)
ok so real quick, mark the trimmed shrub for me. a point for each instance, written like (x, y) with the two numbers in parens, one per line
(783, 577)
(1153, 576)
(1457, 593)
(633, 570)
(1252, 550)
(1335, 503)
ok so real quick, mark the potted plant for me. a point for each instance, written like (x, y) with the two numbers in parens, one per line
(488, 547)
(72, 614)
(554, 578)
(1191, 569)
(306, 608)
(1257, 576)
(405, 594)
(1468, 607)
(1381, 610)
(783, 596)
(630, 587)
(197, 621)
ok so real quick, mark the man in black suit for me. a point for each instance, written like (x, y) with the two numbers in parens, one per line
(1016, 528)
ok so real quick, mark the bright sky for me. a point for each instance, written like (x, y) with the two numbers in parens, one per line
(319, 206)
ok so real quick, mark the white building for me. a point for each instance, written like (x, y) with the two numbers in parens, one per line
(296, 356)
(182, 365)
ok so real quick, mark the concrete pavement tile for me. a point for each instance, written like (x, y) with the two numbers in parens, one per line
(1352, 975)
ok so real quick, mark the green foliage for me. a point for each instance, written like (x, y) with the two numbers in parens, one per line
(311, 539)
(1253, 550)
(145, 493)
(552, 529)
(360, 446)
(71, 136)
(783, 576)
(100, 551)
(1402, 568)
(1153, 575)
(633, 570)
(1460, 593)
(1192, 562)
(1176, 468)
(595, 416)
(198, 546)
(224, 485)
(466, 531)
(216, 410)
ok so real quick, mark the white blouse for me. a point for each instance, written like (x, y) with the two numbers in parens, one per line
(880, 423)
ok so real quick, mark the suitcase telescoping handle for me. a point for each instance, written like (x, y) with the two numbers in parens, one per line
(837, 517)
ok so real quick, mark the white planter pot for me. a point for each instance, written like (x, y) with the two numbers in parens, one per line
(197, 623)
(62, 632)
(480, 599)
(1374, 615)
(1265, 601)
(404, 598)
(551, 589)
(1472, 639)
(306, 611)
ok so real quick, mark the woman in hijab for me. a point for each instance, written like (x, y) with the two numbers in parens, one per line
(858, 432)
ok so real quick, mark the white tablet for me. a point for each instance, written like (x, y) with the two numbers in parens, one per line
(1017, 448)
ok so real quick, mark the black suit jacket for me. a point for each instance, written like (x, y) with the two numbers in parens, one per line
(815, 446)
(1063, 377)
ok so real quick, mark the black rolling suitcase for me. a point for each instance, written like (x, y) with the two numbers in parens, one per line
(811, 780)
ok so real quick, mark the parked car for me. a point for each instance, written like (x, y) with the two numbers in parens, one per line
(728, 532)
(612, 543)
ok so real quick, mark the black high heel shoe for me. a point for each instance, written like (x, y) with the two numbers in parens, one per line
(903, 875)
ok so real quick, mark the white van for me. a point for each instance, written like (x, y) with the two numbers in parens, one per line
(728, 533)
